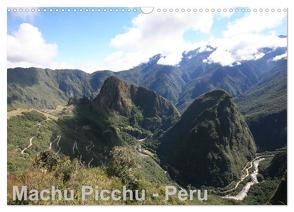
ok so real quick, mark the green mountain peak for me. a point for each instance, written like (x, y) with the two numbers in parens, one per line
(210, 144)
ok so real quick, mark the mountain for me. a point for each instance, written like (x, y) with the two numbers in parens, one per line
(46, 88)
(165, 80)
(280, 195)
(210, 144)
(277, 167)
(180, 84)
(259, 87)
(235, 79)
(269, 95)
(122, 128)
(265, 108)
(140, 105)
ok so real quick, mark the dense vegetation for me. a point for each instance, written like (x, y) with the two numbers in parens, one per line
(210, 144)
(265, 108)
(180, 84)
(113, 139)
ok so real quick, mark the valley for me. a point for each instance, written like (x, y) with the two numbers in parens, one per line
(68, 128)
(54, 144)
(245, 190)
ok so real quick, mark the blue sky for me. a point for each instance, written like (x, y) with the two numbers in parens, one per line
(97, 38)
(79, 35)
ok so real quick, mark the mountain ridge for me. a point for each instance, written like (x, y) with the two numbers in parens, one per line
(179, 84)
(147, 108)
(210, 144)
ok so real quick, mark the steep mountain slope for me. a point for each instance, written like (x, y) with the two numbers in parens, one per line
(139, 105)
(92, 134)
(120, 115)
(45, 88)
(33, 87)
(265, 108)
(277, 167)
(165, 80)
(210, 144)
(180, 84)
(235, 79)
(280, 195)
(269, 95)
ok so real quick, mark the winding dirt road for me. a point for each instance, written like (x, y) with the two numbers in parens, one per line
(243, 177)
(30, 144)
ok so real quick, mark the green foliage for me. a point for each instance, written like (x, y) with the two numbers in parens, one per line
(20, 129)
(268, 96)
(277, 166)
(136, 117)
(280, 195)
(210, 144)
(260, 193)
(65, 168)
(34, 116)
(122, 164)
(265, 108)
(47, 160)
(114, 159)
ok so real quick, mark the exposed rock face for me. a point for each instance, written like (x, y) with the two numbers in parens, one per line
(114, 96)
(141, 105)
(210, 144)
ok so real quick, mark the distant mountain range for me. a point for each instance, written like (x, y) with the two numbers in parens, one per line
(180, 84)
(258, 86)
(194, 125)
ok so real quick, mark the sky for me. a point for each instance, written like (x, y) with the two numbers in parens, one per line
(117, 39)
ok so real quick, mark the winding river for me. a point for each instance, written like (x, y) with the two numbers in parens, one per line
(243, 193)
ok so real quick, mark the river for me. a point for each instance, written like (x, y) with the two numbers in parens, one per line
(243, 193)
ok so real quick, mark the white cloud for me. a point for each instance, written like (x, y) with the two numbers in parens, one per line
(164, 33)
(242, 47)
(155, 33)
(243, 39)
(27, 47)
(279, 57)
(254, 23)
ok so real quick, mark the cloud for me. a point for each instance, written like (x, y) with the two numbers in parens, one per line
(27, 47)
(164, 33)
(155, 33)
(242, 47)
(243, 39)
(279, 57)
(255, 22)
(159, 33)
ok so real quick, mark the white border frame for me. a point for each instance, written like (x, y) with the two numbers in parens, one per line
(139, 3)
